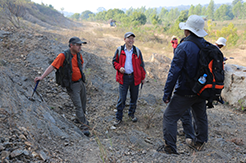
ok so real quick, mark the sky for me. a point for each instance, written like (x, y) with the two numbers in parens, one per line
(78, 6)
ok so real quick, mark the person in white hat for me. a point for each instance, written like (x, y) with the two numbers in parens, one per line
(185, 62)
(220, 43)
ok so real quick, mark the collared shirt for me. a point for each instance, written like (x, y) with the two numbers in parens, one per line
(128, 63)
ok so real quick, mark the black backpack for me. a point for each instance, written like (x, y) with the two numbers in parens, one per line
(211, 62)
(64, 73)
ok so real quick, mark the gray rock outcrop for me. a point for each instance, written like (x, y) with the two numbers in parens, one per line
(235, 85)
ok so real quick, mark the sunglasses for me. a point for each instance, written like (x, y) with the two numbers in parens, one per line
(78, 44)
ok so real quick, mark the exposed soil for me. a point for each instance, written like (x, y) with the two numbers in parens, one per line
(29, 133)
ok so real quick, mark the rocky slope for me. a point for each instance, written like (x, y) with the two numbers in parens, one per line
(44, 130)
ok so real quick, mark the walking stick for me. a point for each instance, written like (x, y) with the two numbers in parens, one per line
(141, 86)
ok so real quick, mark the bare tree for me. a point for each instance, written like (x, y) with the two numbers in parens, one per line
(62, 11)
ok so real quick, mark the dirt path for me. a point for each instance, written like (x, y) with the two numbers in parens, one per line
(236, 56)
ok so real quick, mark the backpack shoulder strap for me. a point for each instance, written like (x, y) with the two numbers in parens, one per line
(119, 50)
(190, 82)
(138, 51)
(121, 47)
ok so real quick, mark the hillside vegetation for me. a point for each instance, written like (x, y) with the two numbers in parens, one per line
(158, 21)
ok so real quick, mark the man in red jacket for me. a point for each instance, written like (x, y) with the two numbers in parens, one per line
(128, 61)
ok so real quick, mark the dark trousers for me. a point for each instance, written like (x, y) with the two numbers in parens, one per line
(128, 83)
(77, 94)
(174, 50)
(186, 120)
(176, 108)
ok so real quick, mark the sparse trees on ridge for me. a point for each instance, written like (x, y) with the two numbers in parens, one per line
(167, 18)
(237, 10)
(210, 10)
(234, 2)
(75, 16)
(223, 13)
(86, 14)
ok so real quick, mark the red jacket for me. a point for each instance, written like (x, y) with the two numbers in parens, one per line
(174, 43)
(137, 64)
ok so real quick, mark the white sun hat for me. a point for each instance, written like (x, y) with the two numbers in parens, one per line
(195, 24)
(221, 41)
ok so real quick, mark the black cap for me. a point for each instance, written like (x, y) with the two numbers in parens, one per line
(76, 40)
(128, 34)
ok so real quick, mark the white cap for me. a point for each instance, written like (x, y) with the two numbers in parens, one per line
(221, 41)
(174, 37)
(195, 24)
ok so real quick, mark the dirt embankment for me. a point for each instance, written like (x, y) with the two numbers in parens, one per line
(44, 129)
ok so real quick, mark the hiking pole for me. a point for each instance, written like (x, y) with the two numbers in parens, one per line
(31, 98)
(141, 86)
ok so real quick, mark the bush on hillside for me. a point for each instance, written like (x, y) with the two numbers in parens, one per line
(230, 33)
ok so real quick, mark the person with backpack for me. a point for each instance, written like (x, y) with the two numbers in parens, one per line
(71, 63)
(185, 64)
(130, 72)
(187, 121)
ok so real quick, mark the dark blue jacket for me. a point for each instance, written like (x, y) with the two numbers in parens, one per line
(185, 60)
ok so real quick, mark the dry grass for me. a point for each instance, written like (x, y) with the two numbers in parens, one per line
(103, 40)
(240, 24)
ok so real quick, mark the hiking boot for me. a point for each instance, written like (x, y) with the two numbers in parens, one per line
(86, 133)
(133, 118)
(198, 146)
(167, 149)
(78, 122)
(117, 122)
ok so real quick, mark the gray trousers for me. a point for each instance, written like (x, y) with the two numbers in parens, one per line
(176, 108)
(77, 94)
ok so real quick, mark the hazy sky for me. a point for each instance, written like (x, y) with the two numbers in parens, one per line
(78, 6)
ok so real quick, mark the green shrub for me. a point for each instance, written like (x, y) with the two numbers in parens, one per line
(230, 33)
